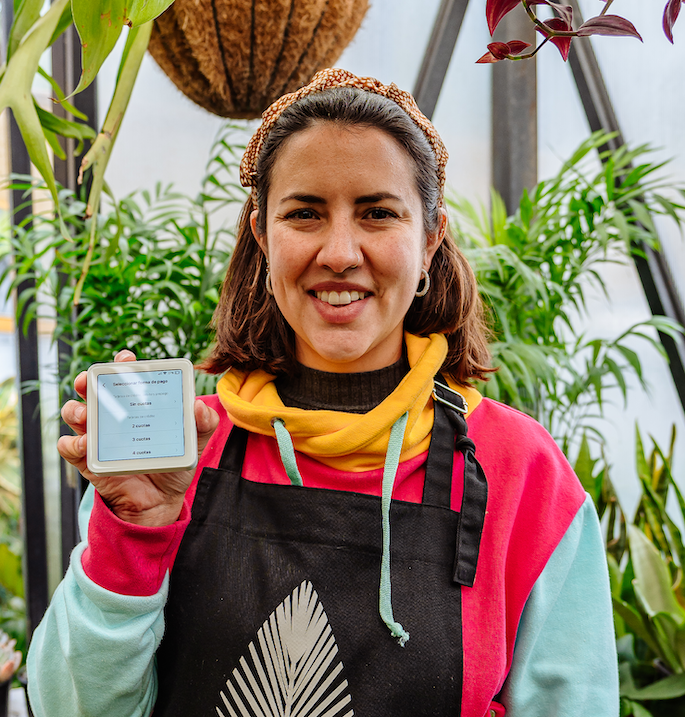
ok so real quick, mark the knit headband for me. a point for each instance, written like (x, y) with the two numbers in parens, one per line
(324, 80)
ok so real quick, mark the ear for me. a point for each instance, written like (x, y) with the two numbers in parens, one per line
(260, 239)
(433, 241)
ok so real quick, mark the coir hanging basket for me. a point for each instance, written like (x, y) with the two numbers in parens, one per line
(235, 57)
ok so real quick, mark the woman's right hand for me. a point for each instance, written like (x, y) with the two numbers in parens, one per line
(145, 499)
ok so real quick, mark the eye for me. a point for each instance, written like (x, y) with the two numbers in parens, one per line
(378, 213)
(304, 214)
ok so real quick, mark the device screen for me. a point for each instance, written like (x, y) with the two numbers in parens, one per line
(140, 415)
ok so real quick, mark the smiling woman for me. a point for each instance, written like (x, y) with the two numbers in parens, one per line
(345, 217)
(348, 331)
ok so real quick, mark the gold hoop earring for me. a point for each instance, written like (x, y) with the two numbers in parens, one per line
(426, 283)
(269, 289)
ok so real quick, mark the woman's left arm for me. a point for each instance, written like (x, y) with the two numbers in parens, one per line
(565, 656)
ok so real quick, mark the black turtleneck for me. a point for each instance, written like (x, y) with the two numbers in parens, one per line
(349, 392)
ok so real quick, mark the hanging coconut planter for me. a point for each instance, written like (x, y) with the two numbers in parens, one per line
(235, 57)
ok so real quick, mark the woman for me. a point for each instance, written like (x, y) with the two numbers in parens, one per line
(349, 329)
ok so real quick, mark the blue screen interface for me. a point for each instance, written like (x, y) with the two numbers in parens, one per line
(140, 415)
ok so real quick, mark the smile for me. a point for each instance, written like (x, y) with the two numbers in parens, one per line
(342, 298)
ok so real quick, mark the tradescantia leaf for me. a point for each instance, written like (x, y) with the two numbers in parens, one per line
(495, 10)
(608, 25)
(671, 12)
(99, 24)
(563, 44)
(142, 11)
(291, 668)
(502, 50)
(565, 12)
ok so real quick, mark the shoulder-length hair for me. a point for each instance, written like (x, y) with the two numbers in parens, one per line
(251, 332)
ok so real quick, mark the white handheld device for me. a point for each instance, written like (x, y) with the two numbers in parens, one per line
(141, 417)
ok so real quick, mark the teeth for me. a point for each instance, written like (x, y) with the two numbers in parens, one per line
(339, 299)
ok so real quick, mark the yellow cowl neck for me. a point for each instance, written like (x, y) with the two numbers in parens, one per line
(348, 441)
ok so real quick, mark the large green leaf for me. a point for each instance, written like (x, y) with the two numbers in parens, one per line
(99, 24)
(26, 15)
(584, 467)
(142, 11)
(666, 631)
(635, 622)
(652, 578)
(666, 689)
(15, 90)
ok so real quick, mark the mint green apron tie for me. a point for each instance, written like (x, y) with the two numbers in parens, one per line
(392, 462)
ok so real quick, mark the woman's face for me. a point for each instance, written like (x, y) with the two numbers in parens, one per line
(346, 245)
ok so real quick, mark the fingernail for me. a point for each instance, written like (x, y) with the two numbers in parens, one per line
(123, 353)
(79, 412)
(83, 444)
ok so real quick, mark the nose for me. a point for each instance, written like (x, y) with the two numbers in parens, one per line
(341, 249)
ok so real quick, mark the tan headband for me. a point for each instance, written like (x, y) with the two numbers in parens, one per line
(324, 80)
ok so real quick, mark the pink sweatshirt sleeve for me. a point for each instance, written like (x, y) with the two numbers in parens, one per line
(132, 559)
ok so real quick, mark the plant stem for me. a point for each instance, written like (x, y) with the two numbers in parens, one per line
(98, 155)
(606, 7)
(530, 54)
(533, 16)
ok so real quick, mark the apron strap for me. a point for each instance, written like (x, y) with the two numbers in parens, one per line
(449, 431)
(233, 454)
(449, 410)
(437, 486)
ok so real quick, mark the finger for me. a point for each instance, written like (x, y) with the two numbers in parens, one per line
(73, 450)
(125, 355)
(74, 415)
(206, 419)
(81, 383)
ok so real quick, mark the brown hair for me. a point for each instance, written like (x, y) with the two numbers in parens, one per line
(251, 332)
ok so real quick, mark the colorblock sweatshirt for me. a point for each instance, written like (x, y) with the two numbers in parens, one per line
(537, 625)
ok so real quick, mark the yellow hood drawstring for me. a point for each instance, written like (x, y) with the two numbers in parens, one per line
(392, 462)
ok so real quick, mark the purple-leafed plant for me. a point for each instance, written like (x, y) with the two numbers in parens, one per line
(559, 29)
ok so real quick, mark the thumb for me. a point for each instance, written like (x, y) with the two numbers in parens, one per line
(206, 419)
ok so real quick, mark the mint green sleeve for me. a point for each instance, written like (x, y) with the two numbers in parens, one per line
(93, 652)
(565, 662)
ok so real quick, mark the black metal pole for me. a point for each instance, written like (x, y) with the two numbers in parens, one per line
(30, 444)
(66, 68)
(438, 54)
(655, 275)
(514, 115)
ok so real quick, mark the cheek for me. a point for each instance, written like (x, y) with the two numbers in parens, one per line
(289, 259)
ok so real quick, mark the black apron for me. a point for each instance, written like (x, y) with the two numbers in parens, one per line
(273, 603)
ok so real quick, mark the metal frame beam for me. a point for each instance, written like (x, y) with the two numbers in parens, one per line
(652, 268)
(66, 69)
(438, 54)
(514, 115)
(31, 442)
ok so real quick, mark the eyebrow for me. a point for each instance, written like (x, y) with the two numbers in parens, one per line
(366, 199)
